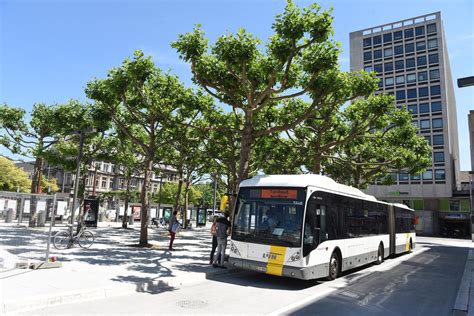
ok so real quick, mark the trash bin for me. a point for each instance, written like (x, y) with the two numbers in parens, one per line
(9, 216)
(41, 219)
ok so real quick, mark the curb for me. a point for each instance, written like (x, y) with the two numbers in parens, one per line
(462, 304)
(103, 293)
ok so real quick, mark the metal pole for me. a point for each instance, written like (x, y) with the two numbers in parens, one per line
(215, 194)
(53, 215)
(78, 175)
(159, 198)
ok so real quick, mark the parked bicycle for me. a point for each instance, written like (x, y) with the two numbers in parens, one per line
(158, 223)
(66, 238)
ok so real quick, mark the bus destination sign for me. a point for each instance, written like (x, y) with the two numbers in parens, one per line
(279, 194)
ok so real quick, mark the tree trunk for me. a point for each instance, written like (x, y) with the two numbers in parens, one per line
(35, 188)
(186, 194)
(145, 205)
(178, 194)
(127, 198)
(245, 147)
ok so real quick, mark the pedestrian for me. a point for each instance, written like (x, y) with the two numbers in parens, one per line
(214, 240)
(222, 231)
(173, 228)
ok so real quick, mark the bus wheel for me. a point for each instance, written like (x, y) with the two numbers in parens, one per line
(379, 255)
(334, 267)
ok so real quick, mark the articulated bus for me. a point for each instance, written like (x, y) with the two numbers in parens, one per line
(310, 227)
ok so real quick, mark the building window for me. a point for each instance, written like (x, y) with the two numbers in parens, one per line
(421, 61)
(437, 123)
(389, 81)
(413, 108)
(421, 45)
(388, 52)
(414, 124)
(424, 107)
(422, 76)
(367, 41)
(397, 35)
(388, 67)
(368, 68)
(428, 175)
(378, 68)
(380, 83)
(431, 28)
(410, 62)
(433, 59)
(387, 37)
(440, 174)
(424, 124)
(104, 183)
(400, 79)
(432, 43)
(398, 50)
(411, 93)
(435, 90)
(434, 74)
(438, 140)
(377, 54)
(400, 95)
(415, 177)
(399, 64)
(408, 33)
(409, 48)
(438, 156)
(367, 56)
(411, 78)
(435, 106)
(423, 92)
(403, 176)
(420, 30)
(428, 139)
(377, 40)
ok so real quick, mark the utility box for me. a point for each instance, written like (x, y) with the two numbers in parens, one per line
(201, 217)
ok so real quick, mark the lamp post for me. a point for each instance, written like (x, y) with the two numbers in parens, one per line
(159, 197)
(214, 176)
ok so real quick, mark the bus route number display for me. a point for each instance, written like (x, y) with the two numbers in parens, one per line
(278, 194)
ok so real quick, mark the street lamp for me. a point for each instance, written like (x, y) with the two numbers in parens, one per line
(465, 82)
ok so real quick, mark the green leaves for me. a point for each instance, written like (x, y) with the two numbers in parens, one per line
(12, 178)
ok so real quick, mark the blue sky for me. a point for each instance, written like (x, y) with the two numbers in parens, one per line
(49, 50)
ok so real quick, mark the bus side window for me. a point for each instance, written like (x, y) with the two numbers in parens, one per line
(311, 228)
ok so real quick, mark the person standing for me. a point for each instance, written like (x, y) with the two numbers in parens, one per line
(223, 230)
(214, 240)
(173, 228)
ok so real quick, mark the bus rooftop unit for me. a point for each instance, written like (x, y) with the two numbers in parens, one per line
(310, 227)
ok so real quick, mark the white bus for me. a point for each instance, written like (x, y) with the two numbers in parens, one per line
(310, 227)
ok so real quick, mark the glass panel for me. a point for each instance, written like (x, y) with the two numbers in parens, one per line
(424, 124)
(413, 108)
(421, 60)
(387, 37)
(377, 39)
(367, 56)
(403, 176)
(398, 49)
(422, 76)
(389, 81)
(431, 28)
(408, 33)
(435, 106)
(435, 90)
(378, 68)
(428, 139)
(397, 35)
(411, 78)
(424, 107)
(409, 48)
(423, 92)
(421, 45)
(399, 64)
(438, 140)
(440, 174)
(367, 41)
(377, 53)
(415, 176)
(368, 68)
(434, 74)
(432, 43)
(400, 95)
(400, 79)
(428, 175)
(411, 93)
(387, 52)
(439, 156)
(410, 62)
(419, 30)
(437, 123)
(433, 59)
(388, 67)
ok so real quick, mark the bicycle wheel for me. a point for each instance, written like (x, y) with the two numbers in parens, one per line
(61, 239)
(86, 239)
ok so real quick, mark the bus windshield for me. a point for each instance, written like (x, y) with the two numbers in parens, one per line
(269, 216)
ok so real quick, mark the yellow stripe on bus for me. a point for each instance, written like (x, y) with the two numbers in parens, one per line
(275, 260)
(407, 243)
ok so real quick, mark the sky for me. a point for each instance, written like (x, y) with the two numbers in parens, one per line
(49, 50)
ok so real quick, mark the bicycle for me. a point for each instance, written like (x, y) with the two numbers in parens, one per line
(66, 239)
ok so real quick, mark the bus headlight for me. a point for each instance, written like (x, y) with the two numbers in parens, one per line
(295, 257)
(234, 249)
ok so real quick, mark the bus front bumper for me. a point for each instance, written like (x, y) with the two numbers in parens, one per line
(304, 273)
